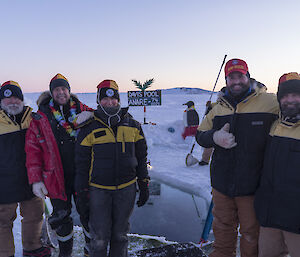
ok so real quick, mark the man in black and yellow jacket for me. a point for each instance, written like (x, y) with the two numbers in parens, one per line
(111, 155)
(277, 198)
(14, 187)
(237, 127)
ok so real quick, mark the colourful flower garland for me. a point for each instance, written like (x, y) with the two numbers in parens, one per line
(61, 120)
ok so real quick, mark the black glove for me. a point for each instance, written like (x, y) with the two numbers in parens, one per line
(144, 191)
(83, 205)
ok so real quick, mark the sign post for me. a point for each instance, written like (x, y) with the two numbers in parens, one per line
(144, 98)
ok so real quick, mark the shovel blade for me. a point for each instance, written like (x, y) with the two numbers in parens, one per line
(190, 160)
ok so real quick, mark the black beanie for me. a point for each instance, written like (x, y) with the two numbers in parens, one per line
(59, 81)
(11, 88)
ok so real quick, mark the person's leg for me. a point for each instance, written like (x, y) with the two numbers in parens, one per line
(249, 226)
(271, 243)
(84, 219)
(292, 241)
(32, 213)
(123, 203)
(62, 223)
(206, 155)
(7, 216)
(224, 225)
(100, 223)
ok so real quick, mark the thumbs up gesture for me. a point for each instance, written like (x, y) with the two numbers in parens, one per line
(223, 138)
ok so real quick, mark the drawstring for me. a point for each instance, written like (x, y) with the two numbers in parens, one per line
(111, 115)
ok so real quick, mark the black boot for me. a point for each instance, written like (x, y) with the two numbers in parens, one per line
(65, 248)
(203, 163)
(40, 252)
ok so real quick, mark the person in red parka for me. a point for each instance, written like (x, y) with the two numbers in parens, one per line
(50, 143)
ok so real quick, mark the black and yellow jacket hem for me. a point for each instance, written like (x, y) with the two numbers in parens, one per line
(277, 198)
(236, 171)
(14, 186)
(110, 158)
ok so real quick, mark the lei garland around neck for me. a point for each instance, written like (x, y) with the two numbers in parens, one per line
(61, 120)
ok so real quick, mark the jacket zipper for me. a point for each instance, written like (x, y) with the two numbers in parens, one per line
(116, 148)
(123, 143)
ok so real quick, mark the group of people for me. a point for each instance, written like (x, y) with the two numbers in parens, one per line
(255, 165)
(98, 157)
(68, 150)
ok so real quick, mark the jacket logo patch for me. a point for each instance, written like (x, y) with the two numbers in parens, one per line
(257, 123)
(100, 134)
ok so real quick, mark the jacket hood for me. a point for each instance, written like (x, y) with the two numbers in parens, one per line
(45, 97)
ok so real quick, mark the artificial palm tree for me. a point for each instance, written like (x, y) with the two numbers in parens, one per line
(143, 86)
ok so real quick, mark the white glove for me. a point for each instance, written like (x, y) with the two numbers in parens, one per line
(39, 189)
(83, 116)
(223, 138)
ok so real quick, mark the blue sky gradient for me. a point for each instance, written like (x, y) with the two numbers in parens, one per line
(178, 43)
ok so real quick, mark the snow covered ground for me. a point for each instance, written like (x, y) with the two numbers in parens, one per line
(166, 151)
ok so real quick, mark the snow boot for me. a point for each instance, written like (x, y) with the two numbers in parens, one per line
(40, 252)
(65, 248)
(203, 163)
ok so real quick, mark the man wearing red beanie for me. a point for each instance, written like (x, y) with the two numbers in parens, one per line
(111, 156)
(277, 198)
(237, 127)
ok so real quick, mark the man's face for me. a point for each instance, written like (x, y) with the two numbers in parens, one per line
(109, 102)
(237, 83)
(290, 105)
(61, 95)
(12, 105)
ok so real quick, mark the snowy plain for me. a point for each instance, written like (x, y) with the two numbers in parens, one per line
(166, 151)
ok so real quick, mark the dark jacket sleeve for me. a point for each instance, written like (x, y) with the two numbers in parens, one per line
(141, 154)
(205, 131)
(83, 153)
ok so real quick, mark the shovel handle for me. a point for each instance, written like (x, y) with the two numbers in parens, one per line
(192, 148)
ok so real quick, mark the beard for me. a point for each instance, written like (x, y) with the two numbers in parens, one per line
(290, 110)
(112, 110)
(13, 109)
(238, 90)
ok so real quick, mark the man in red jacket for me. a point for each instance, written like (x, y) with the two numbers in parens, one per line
(50, 143)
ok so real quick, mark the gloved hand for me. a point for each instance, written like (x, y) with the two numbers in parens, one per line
(83, 116)
(223, 138)
(144, 192)
(39, 189)
(82, 201)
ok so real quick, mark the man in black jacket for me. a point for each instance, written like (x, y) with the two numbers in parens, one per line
(277, 198)
(14, 187)
(237, 127)
(111, 155)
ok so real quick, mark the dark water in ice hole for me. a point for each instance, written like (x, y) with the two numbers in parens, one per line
(170, 212)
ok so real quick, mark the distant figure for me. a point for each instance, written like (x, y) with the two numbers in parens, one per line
(190, 120)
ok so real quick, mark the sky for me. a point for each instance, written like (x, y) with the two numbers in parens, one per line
(179, 43)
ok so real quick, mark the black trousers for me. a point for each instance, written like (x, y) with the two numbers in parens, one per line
(110, 211)
(62, 222)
